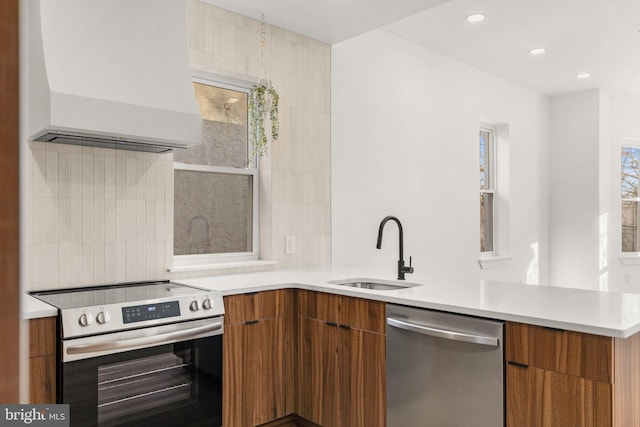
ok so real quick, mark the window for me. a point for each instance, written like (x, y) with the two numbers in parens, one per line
(215, 190)
(487, 189)
(630, 172)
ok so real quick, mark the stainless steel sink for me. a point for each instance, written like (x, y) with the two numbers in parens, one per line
(375, 284)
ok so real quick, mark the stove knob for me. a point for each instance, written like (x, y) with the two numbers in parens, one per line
(86, 319)
(103, 317)
(206, 304)
(194, 306)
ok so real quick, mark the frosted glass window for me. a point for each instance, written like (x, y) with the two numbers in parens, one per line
(225, 139)
(213, 213)
(215, 191)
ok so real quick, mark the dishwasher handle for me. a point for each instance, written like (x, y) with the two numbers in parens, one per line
(443, 333)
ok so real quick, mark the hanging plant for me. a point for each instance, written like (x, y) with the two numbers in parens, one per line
(263, 101)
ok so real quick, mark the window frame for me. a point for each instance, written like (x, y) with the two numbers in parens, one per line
(626, 144)
(490, 173)
(213, 260)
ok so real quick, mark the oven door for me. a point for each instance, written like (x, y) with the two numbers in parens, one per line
(172, 384)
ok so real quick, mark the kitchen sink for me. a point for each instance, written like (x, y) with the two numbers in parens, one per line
(375, 284)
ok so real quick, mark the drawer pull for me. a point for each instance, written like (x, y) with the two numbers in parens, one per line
(331, 323)
(343, 326)
(519, 365)
(251, 322)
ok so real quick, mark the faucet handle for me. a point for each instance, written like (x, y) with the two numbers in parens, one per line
(408, 269)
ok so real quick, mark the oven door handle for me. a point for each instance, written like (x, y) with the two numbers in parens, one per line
(133, 343)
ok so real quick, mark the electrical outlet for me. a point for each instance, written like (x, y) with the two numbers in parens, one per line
(290, 245)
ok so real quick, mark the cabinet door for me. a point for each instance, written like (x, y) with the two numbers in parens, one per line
(365, 372)
(319, 396)
(541, 398)
(255, 389)
(42, 360)
(341, 380)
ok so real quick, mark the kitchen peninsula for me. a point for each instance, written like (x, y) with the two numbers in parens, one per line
(562, 345)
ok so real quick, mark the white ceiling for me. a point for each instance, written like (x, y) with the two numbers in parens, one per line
(601, 37)
(330, 21)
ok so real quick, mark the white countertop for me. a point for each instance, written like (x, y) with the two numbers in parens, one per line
(32, 308)
(602, 313)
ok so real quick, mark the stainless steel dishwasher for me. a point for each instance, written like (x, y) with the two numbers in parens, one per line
(443, 370)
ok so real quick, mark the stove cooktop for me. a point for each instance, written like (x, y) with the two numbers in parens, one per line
(114, 294)
(118, 307)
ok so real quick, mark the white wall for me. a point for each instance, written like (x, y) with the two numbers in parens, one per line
(587, 132)
(574, 196)
(405, 142)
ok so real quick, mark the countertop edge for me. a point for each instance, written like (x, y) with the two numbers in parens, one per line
(507, 317)
(33, 308)
(316, 280)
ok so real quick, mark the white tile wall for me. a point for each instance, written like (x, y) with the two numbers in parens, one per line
(98, 216)
(295, 192)
(91, 219)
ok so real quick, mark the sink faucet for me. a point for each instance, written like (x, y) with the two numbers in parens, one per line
(401, 268)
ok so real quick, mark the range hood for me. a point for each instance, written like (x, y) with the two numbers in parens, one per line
(111, 73)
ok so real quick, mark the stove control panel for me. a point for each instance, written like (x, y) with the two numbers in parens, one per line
(141, 313)
(105, 318)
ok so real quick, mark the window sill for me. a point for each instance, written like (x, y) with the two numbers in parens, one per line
(630, 258)
(220, 266)
(494, 261)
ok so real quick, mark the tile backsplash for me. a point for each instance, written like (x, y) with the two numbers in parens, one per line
(96, 215)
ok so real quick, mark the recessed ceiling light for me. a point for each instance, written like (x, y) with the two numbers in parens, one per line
(476, 17)
(537, 51)
(583, 75)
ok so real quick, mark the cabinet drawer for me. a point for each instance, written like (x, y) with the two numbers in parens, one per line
(358, 313)
(319, 305)
(254, 306)
(363, 314)
(574, 353)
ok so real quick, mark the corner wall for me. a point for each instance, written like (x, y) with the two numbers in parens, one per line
(574, 195)
(405, 142)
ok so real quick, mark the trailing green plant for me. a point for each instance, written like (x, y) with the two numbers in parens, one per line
(262, 101)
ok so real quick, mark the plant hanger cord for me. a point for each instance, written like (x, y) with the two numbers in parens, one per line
(263, 69)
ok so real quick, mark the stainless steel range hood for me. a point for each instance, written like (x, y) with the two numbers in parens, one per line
(111, 74)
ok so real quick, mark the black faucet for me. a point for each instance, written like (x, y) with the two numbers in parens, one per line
(401, 268)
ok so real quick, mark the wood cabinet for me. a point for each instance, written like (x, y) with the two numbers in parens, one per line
(341, 360)
(258, 359)
(42, 360)
(558, 378)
